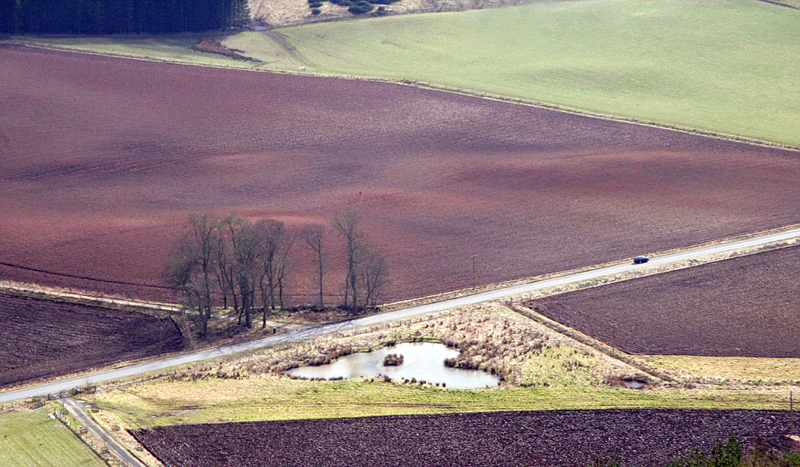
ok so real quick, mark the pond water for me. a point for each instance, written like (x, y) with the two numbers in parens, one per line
(421, 360)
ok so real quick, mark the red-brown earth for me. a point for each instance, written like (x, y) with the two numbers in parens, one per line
(104, 158)
(748, 306)
(42, 339)
(544, 439)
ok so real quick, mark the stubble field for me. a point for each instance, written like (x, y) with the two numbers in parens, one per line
(42, 339)
(104, 158)
(742, 307)
(550, 438)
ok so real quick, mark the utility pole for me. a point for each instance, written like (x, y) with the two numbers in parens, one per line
(473, 272)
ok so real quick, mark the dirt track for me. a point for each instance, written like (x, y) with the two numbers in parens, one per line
(42, 338)
(104, 158)
(739, 307)
(553, 438)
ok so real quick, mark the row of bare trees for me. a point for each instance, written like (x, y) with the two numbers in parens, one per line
(247, 265)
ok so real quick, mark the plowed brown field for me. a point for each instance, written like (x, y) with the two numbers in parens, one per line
(45, 339)
(103, 158)
(748, 306)
(551, 438)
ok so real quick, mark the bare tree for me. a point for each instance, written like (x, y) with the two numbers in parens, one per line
(224, 260)
(374, 275)
(273, 236)
(285, 266)
(247, 243)
(220, 258)
(203, 228)
(180, 266)
(346, 225)
(191, 266)
(236, 258)
(313, 236)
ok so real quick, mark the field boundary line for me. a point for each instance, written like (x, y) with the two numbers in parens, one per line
(696, 131)
(85, 278)
(609, 351)
(84, 298)
(776, 3)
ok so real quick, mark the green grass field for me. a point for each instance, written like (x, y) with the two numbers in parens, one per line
(726, 66)
(207, 400)
(32, 438)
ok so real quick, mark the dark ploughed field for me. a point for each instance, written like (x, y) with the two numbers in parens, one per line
(103, 158)
(42, 339)
(542, 439)
(748, 306)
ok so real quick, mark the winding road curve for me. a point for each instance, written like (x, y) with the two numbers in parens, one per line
(309, 332)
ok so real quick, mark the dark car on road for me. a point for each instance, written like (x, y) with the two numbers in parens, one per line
(640, 259)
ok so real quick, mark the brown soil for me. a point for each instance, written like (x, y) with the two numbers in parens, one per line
(745, 306)
(43, 339)
(550, 438)
(103, 159)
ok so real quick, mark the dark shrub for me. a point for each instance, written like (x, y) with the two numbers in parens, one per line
(360, 7)
(315, 11)
(315, 4)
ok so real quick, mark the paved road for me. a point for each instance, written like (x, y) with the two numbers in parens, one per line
(77, 410)
(315, 331)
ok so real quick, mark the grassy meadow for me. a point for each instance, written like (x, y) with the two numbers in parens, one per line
(169, 402)
(725, 66)
(32, 438)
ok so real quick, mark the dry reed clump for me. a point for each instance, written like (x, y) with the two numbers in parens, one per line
(393, 359)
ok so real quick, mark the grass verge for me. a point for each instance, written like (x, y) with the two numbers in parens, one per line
(755, 370)
(33, 438)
